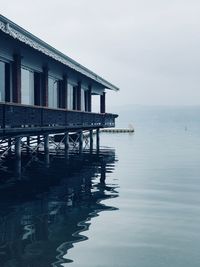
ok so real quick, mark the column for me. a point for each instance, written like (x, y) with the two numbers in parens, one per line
(7, 83)
(90, 99)
(45, 87)
(16, 78)
(86, 100)
(60, 94)
(103, 103)
(79, 96)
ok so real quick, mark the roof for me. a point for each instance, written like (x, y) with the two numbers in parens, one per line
(17, 32)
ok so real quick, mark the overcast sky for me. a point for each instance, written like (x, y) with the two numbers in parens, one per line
(149, 48)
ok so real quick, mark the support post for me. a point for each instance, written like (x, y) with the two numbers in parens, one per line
(38, 142)
(18, 148)
(10, 146)
(91, 140)
(18, 156)
(103, 103)
(97, 139)
(46, 144)
(7, 83)
(46, 149)
(80, 141)
(66, 140)
(28, 144)
(16, 78)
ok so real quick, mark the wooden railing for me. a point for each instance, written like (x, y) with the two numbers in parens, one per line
(17, 118)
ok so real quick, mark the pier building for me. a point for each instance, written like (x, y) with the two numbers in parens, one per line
(44, 92)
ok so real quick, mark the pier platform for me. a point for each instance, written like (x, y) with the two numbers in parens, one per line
(118, 130)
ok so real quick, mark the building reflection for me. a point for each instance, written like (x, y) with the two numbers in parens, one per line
(48, 209)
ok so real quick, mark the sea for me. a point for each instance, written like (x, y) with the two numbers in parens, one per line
(135, 202)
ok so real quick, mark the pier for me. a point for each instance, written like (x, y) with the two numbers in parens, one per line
(118, 130)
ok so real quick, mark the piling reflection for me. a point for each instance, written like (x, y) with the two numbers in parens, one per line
(46, 211)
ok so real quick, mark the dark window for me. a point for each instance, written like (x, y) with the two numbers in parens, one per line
(5, 82)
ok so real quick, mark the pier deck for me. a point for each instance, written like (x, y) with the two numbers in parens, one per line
(17, 119)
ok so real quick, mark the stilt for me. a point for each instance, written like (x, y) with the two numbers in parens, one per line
(18, 156)
(46, 150)
(98, 140)
(18, 147)
(38, 142)
(80, 141)
(9, 146)
(28, 144)
(91, 140)
(46, 144)
(66, 141)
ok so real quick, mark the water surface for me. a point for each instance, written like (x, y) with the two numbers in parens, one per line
(135, 204)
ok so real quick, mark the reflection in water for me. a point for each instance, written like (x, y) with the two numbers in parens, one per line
(47, 210)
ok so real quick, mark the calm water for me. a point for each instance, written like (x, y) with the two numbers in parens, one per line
(135, 204)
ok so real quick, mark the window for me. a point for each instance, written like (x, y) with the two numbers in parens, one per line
(82, 99)
(53, 92)
(70, 97)
(5, 82)
(27, 87)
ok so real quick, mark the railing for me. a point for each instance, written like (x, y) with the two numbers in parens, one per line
(20, 118)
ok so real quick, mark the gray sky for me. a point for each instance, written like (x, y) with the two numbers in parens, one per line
(149, 48)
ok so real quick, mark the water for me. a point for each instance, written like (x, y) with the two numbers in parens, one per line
(135, 204)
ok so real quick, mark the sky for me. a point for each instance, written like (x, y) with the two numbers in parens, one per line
(148, 48)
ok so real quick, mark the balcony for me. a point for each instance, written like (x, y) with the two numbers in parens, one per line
(17, 119)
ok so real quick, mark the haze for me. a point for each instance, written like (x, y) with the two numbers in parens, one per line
(150, 49)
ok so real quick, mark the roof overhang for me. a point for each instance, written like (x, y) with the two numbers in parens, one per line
(18, 33)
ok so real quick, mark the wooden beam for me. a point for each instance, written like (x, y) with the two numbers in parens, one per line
(7, 83)
(45, 85)
(103, 103)
(16, 78)
(90, 99)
